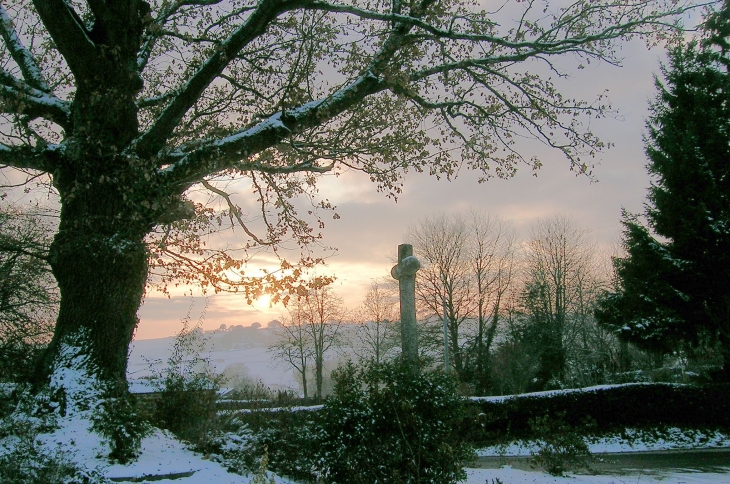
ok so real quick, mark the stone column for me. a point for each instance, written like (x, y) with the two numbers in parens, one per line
(405, 273)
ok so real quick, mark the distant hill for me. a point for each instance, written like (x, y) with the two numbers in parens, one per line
(242, 349)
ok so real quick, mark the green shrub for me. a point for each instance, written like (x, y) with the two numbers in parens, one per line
(391, 424)
(117, 420)
(560, 447)
(291, 439)
(188, 389)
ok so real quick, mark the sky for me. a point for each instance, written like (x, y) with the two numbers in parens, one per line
(371, 225)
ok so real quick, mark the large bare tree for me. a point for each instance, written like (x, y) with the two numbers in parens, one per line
(561, 285)
(311, 332)
(468, 268)
(128, 105)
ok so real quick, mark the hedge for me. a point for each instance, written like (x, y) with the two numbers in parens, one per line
(610, 407)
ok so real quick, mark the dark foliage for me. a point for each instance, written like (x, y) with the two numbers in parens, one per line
(612, 409)
(561, 447)
(118, 421)
(675, 280)
(291, 439)
(28, 295)
(188, 388)
(391, 424)
(384, 423)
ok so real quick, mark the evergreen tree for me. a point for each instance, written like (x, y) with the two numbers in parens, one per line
(675, 279)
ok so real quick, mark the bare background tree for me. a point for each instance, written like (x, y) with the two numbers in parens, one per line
(562, 280)
(468, 267)
(444, 285)
(309, 334)
(492, 252)
(377, 333)
(294, 345)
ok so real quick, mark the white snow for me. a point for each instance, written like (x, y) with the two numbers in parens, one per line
(162, 455)
(549, 393)
(632, 441)
(508, 475)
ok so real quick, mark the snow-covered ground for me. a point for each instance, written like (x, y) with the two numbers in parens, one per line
(631, 441)
(163, 455)
(508, 475)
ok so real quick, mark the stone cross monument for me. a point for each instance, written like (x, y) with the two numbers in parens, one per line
(405, 273)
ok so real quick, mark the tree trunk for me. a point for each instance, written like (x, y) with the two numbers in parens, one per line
(724, 339)
(304, 382)
(101, 270)
(318, 370)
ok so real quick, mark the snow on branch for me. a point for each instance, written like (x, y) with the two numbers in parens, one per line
(471, 48)
(25, 157)
(20, 98)
(150, 142)
(22, 56)
(216, 155)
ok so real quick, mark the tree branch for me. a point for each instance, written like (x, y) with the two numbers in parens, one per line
(44, 159)
(21, 55)
(28, 248)
(546, 42)
(20, 98)
(154, 139)
(236, 212)
(214, 156)
(154, 29)
(68, 33)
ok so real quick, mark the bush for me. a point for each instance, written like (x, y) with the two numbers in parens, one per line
(290, 438)
(390, 424)
(188, 390)
(117, 420)
(560, 447)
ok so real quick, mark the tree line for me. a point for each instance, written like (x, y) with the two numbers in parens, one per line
(496, 295)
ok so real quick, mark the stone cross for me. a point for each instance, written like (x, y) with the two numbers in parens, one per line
(405, 273)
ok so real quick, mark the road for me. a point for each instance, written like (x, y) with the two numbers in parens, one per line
(629, 463)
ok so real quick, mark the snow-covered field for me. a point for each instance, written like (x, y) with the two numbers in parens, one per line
(249, 356)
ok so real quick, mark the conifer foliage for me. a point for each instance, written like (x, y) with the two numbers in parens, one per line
(675, 279)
